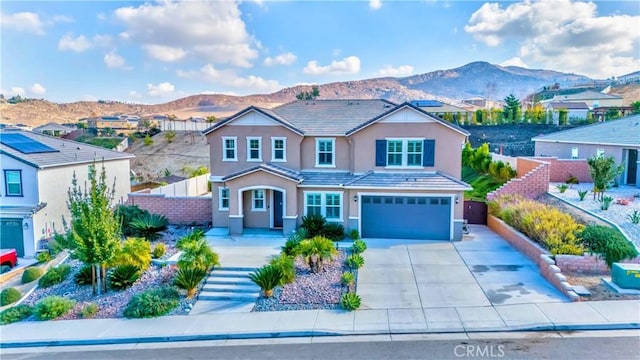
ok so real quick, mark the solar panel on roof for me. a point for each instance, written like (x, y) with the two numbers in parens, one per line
(25, 144)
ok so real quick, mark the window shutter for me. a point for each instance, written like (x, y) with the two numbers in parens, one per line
(428, 158)
(381, 152)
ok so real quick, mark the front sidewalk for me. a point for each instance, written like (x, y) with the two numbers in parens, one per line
(594, 315)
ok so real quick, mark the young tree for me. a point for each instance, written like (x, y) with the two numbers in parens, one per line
(512, 109)
(563, 116)
(170, 135)
(603, 170)
(211, 119)
(636, 106)
(94, 228)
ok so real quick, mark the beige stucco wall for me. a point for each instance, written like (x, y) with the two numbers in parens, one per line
(308, 154)
(260, 180)
(448, 151)
(257, 218)
(222, 168)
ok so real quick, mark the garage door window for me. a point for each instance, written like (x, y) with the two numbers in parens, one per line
(328, 205)
(13, 182)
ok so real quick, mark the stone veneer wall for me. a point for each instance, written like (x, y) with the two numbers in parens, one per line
(182, 210)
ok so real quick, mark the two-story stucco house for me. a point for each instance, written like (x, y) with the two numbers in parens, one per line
(36, 173)
(387, 170)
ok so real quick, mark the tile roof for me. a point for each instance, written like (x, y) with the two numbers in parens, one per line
(325, 178)
(270, 168)
(69, 152)
(53, 127)
(586, 95)
(416, 181)
(622, 132)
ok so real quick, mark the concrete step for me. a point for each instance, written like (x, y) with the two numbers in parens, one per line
(229, 273)
(229, 281)
(238, 288)
(239, 269)
(228, 296)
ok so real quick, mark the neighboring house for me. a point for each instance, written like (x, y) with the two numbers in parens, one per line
(575, 110)
(449, 112)
(618, 138)
(386, 170)
(54, 129)
(118, 124)
(36, 173)
(593, 99)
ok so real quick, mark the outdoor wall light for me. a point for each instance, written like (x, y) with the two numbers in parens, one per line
(25, 226)
(355, 198)
(457, 199)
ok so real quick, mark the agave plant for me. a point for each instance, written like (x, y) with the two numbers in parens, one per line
(149, 226)
(267, 278)
(347, 278)
(359, 246)
(285, 263)
(189, 278)
(350, 301)
(123, 276)
(317, 250)
(355, 261)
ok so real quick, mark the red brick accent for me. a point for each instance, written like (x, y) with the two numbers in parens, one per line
(179, 210)
(587, 264)
(532, 182)
(561, 169)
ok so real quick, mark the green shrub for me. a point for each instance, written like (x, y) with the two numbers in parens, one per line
(147, 141)
(152, 303)
(189, 278)
(31, 274)
(15, 314)
(287, 267)
(350, 301)
(562, 188)
(123, 276)
(83, 276)
(52, 307)
(134, 251)
(347, 278)
(634, 217)
(191, 237)
(354, 234)
(267, 278)
(9, 296)
(198, 253)
(313, 224)
(608, 243)
(291, 245)
(355, 261)
(43, 257)
(127, 214)
(333, 231)
(358, 247)
(149, 226)
(582, 194)
(316, 251)
(572, 180)
(605, 202)
(158, 250)
(55, 276)
(89, 310)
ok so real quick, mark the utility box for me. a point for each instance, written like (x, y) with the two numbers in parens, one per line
(626, 276)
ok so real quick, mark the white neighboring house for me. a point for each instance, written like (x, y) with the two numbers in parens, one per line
(575, 110)
(36, 174)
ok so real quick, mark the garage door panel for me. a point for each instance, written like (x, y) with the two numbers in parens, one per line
(11, 235)
(407, 217)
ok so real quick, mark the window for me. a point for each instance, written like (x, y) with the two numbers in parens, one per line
(325, 149)
(404, 152)
(229, 152)
(254, 149)
(13, 182)
(574, 153)
(257, 200)
(328, 205)
(223, 198)
(279, 149)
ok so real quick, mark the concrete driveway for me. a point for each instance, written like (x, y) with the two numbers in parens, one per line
(481, 270)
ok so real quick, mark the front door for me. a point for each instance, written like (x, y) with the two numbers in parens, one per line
(632, 167)
(277, 209)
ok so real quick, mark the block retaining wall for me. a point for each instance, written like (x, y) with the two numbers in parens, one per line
(587, 264)
(183, 210)
(532, 182)
(561, 169)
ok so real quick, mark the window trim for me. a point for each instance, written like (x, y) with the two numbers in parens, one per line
(405, 153)
(323, 203)
(249, 139)
(224, 148)
(574, 153)
(6, 183)
(220, 198)
(333, 152)
(254, 198)
(284, 149)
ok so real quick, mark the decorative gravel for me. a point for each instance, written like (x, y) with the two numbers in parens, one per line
(309, 291)
(616, 213)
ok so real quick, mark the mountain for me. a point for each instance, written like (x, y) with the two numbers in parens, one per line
(474, 79)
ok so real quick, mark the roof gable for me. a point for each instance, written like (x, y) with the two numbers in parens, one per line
(254, 116)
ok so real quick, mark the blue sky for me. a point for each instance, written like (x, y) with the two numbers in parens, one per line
(152, 52)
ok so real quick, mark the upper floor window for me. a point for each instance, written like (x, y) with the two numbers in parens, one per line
(254, 149)
(223, 198)
(13, 182)
(278, 149)
(404, 152)
(325, 152)
(229, 149)
(326, 204)
(574, 152)
(257, 200)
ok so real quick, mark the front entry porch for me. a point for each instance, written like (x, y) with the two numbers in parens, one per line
(263, 210)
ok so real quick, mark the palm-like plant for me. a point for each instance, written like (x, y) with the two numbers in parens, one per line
(198, 253)
(149, 226)
(316, 251)
(267, 278)
(189, 278)
(193, 236)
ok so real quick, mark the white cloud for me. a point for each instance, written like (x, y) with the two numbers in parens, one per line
(282, 59)
(165, 53)
(164, 89)
(62, 18)
(348, 65)
(23, 21)
(77, 44)
(561, 34)
(514, 61)
(210, 30)
(38, 89)
(402, 70)
(102, 40)
(229, 77)
(375, 4)
(13, 92)
(114, 61)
